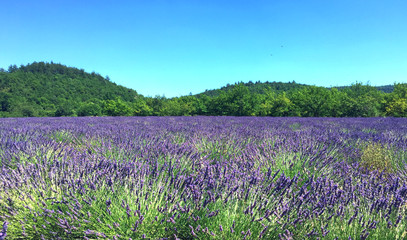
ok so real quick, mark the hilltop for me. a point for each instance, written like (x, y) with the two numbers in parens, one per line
(50, 89)
(278, 87)
(257, 87)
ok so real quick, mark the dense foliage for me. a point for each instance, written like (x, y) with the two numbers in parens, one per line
(257, 87)
(203, 178)
(48, 89)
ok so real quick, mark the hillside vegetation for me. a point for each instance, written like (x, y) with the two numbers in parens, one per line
(257, 87)
(49, 89)
(278, 87)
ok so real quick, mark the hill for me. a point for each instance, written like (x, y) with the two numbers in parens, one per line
(385, 88)
(257, 87)
(49, 89)
(278, 87)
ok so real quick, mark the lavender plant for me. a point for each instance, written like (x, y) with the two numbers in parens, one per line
(202, 177)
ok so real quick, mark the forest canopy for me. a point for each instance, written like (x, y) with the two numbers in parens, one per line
(47, 89)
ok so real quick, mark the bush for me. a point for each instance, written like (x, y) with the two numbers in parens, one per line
(375, 157)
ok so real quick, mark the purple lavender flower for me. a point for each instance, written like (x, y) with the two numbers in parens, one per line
(193, 233)
(3, 232)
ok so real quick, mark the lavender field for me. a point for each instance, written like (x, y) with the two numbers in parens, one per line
(203, 178)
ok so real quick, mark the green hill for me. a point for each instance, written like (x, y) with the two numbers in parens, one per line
(385, 88)
(257, 87)
(278, 87)
(49, 89)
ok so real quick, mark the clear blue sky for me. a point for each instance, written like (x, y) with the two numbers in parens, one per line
(176, 47)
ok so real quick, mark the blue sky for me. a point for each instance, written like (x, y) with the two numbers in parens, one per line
(176, 47)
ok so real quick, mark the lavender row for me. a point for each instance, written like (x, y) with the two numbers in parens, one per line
(202, 177)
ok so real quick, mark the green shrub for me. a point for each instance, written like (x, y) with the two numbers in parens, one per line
(375, 156)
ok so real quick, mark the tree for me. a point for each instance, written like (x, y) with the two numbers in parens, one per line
(363, 101)
(201, 105)
(312, 101)
(64, 109)
(395, 102)
(5, 101)
(140, 107)
(266, 102)
(217, 106)
(89, 109)
(12, 68)
(116, 108)
(171, 107)
(240, 102)
(397, 108)
(49, 109)
(281, 106)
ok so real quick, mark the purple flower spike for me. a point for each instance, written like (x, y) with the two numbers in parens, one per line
(193, 233)
(3, 232)
(364, 236)
(108, 202)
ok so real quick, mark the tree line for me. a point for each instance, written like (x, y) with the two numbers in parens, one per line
(48, 89)
(357, 100)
